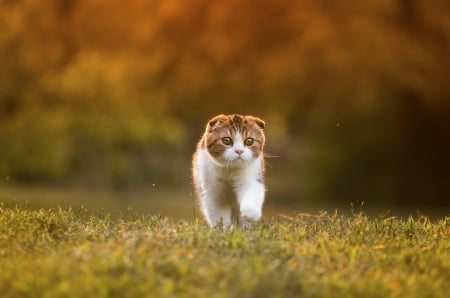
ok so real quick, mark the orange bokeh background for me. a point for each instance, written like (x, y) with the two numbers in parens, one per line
(113, 94)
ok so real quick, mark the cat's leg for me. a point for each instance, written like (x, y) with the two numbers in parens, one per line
(216, 212)
(250, 198)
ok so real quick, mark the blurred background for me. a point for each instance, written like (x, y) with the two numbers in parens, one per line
(102, 102)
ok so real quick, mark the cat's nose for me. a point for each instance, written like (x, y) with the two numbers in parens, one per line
(239, 151)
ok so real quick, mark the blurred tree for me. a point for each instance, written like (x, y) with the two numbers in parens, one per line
(356, 94)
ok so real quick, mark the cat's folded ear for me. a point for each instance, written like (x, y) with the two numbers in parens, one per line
(257, 120)
(215, 122)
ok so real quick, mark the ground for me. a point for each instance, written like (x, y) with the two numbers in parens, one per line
(76, 253)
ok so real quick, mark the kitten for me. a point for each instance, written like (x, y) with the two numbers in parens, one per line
(228, 170)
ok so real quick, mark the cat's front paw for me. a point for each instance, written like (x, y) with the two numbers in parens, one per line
(250, 213)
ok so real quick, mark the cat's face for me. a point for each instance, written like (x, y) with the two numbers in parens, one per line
(234, 140)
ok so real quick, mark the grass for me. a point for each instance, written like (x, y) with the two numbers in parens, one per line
(72, 253)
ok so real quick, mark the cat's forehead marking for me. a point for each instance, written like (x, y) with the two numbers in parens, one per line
(239, 125)
(235, 130)
(237, 120)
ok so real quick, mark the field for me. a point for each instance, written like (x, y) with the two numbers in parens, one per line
(75, 253)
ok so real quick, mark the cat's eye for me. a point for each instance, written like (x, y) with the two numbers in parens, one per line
(249, 141)
(227, 141)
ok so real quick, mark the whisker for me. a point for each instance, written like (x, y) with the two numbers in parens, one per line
(268, 155)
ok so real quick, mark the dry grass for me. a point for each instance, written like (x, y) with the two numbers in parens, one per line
(61, 253)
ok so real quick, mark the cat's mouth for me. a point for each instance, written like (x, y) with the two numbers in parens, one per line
(239, 159)
(236, 161)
